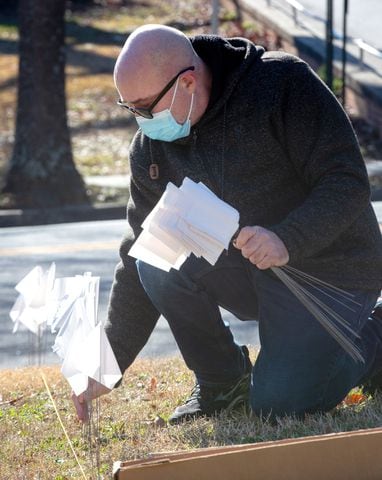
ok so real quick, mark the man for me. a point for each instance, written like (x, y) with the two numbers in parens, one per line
(266, 135)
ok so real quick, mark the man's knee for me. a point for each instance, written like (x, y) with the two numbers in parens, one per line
(268, 402)
(154, 280)
(160, 284)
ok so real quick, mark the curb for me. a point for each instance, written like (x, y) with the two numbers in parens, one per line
(81, 213)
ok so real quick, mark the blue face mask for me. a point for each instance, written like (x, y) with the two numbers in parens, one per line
(163, 125)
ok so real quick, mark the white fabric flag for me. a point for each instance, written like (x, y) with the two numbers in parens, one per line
(69, 306)
(189, 219)
(34, 306)
(81, 340)
(90, 356)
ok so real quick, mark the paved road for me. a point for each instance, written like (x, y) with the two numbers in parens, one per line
(76, 248)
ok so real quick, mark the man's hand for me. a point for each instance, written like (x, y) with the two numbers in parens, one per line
(93, 391)
(262, 247)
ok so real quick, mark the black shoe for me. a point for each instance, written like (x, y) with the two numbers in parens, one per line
(207, 401)
(374, 383)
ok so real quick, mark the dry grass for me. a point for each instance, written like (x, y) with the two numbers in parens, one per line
(33, 445)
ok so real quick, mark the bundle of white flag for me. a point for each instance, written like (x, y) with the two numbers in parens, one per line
(69, 307)
(189, 219)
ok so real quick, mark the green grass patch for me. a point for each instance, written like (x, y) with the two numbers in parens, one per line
(34, 446)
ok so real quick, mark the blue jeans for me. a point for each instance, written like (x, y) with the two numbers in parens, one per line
(300, 368)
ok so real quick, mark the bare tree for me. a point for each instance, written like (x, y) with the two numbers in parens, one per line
(42, 172)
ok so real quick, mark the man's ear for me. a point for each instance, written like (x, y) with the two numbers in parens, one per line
(188, 82)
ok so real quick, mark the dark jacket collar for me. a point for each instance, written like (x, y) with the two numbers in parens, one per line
(228, 59)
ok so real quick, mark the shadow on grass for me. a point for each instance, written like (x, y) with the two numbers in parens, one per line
(89, 34)
(8, 47)
(94, 62)
(108, 124)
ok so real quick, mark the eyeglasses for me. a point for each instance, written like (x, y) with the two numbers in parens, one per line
(146, 112)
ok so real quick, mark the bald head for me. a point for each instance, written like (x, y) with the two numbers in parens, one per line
(150, 58)
(152, 53)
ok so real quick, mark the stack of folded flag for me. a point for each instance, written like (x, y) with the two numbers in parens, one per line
(189, 219)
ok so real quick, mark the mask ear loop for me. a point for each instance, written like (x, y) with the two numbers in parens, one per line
(190, 111)
(173, 97)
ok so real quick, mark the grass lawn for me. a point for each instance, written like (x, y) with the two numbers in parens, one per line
(33, 445)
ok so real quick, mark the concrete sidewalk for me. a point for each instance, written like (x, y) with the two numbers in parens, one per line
(117, 211)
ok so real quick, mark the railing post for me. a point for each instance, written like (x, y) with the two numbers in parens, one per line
(294, 9)
(215, 17)
(329, 44)
(344, 52)
(361, 56)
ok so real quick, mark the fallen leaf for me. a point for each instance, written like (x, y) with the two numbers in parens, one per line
(354, 399)
(153, 384)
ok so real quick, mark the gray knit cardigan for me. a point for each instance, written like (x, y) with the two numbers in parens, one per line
(276, 145)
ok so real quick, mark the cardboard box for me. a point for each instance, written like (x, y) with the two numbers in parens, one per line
(341, 456)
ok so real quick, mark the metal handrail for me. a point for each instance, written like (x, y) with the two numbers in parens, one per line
(296, 7)
(365, 47)
(361, 44)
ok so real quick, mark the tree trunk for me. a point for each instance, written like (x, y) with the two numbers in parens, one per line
(42, 171)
